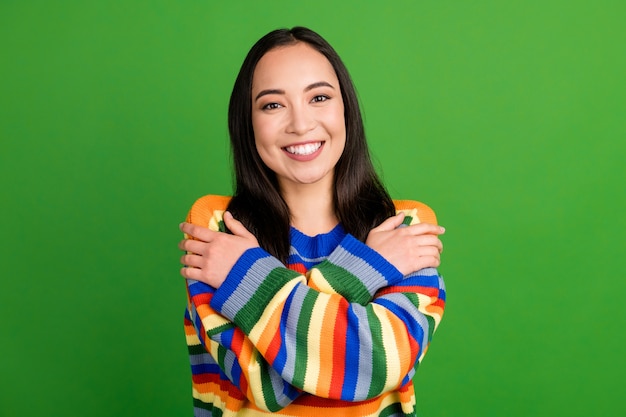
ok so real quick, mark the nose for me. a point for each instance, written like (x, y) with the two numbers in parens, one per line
(301, 120)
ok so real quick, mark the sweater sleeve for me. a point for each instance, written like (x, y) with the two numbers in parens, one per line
(342, 344)
(345, 272)
(231, 353)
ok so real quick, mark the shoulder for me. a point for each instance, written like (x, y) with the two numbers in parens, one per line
(207, 208)
(419, 212)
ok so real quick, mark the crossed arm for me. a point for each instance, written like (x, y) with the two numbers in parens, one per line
(277, 333)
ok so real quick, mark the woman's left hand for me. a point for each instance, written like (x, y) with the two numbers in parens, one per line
(211, 255)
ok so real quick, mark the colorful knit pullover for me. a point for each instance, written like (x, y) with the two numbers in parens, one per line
(338, 331)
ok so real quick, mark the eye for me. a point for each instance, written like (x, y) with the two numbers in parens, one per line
(320, 98)
(271, 106)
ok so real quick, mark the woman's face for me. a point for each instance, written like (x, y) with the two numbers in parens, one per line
(298, 115)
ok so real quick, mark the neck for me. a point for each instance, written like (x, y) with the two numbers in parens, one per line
(311, 207)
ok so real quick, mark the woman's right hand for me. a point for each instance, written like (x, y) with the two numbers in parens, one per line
(409, 248)
(210, 255)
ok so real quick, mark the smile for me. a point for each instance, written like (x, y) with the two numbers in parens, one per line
(304, 149)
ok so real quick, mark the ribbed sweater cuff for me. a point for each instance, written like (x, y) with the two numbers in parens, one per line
(249, 287)
(363, 262)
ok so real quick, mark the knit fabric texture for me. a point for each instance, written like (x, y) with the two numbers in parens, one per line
(338, 330)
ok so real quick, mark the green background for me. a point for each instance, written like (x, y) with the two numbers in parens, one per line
(508, 118)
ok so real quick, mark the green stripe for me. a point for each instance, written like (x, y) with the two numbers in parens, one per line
(413, 298)
(198, 403)
(266, 386)
(393, 410)
(251, 312)
(344, 283)
(196, 349)
(302, 333)
(220, 329)
(431, 327)
(379, 356)
(221, 355)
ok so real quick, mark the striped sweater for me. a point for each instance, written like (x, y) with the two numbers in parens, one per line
(338, 330)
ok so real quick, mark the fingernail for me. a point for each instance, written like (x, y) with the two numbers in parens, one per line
(180, 226)
(443, 229)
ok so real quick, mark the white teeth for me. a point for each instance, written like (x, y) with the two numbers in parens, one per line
(306, 149)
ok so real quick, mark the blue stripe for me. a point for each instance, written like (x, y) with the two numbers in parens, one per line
(225, 338)
(197, 287)
(410, 320)
(234, 277)
(281, 357)
(352, 353)
(205, 368)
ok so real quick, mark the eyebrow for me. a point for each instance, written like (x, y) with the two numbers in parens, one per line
(307, 88)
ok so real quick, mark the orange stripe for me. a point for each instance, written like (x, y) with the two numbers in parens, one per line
(326, 347)
(202, 210)
(425, 213)
(273, 348)
(229, 397)
(339, 358)
(310, 406)
(405, 351)
(272, 327)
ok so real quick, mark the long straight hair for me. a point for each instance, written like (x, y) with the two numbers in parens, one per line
(361, 201)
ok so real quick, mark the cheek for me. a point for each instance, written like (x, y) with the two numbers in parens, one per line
(256, 125)
(264, 130)
(263, 140)
(338, 120)
(339, 124)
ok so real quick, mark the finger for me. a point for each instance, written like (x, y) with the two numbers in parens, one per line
(184, 244)
(193, 259)
(391, 223)
(429, 262)
(191, 273)
(427, 251)
(235, 226)
(197, 232)
(426, 228)
(429, 240)
(192, 246)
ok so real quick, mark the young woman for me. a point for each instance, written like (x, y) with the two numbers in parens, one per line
(310, 290)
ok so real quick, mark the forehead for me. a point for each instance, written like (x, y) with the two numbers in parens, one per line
(292, 66)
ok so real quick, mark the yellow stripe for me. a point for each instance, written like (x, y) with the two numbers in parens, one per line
(318, 281)
(254, 381)
(210, 319)
(402, 344)
(389, 344)
(192, 340)
(327, 343)
(212, 347)
(314, 340)
(257, 331)
(426, 307)
(218, 215)
(412, 213)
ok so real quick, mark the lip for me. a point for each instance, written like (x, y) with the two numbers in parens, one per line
(308, 157)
